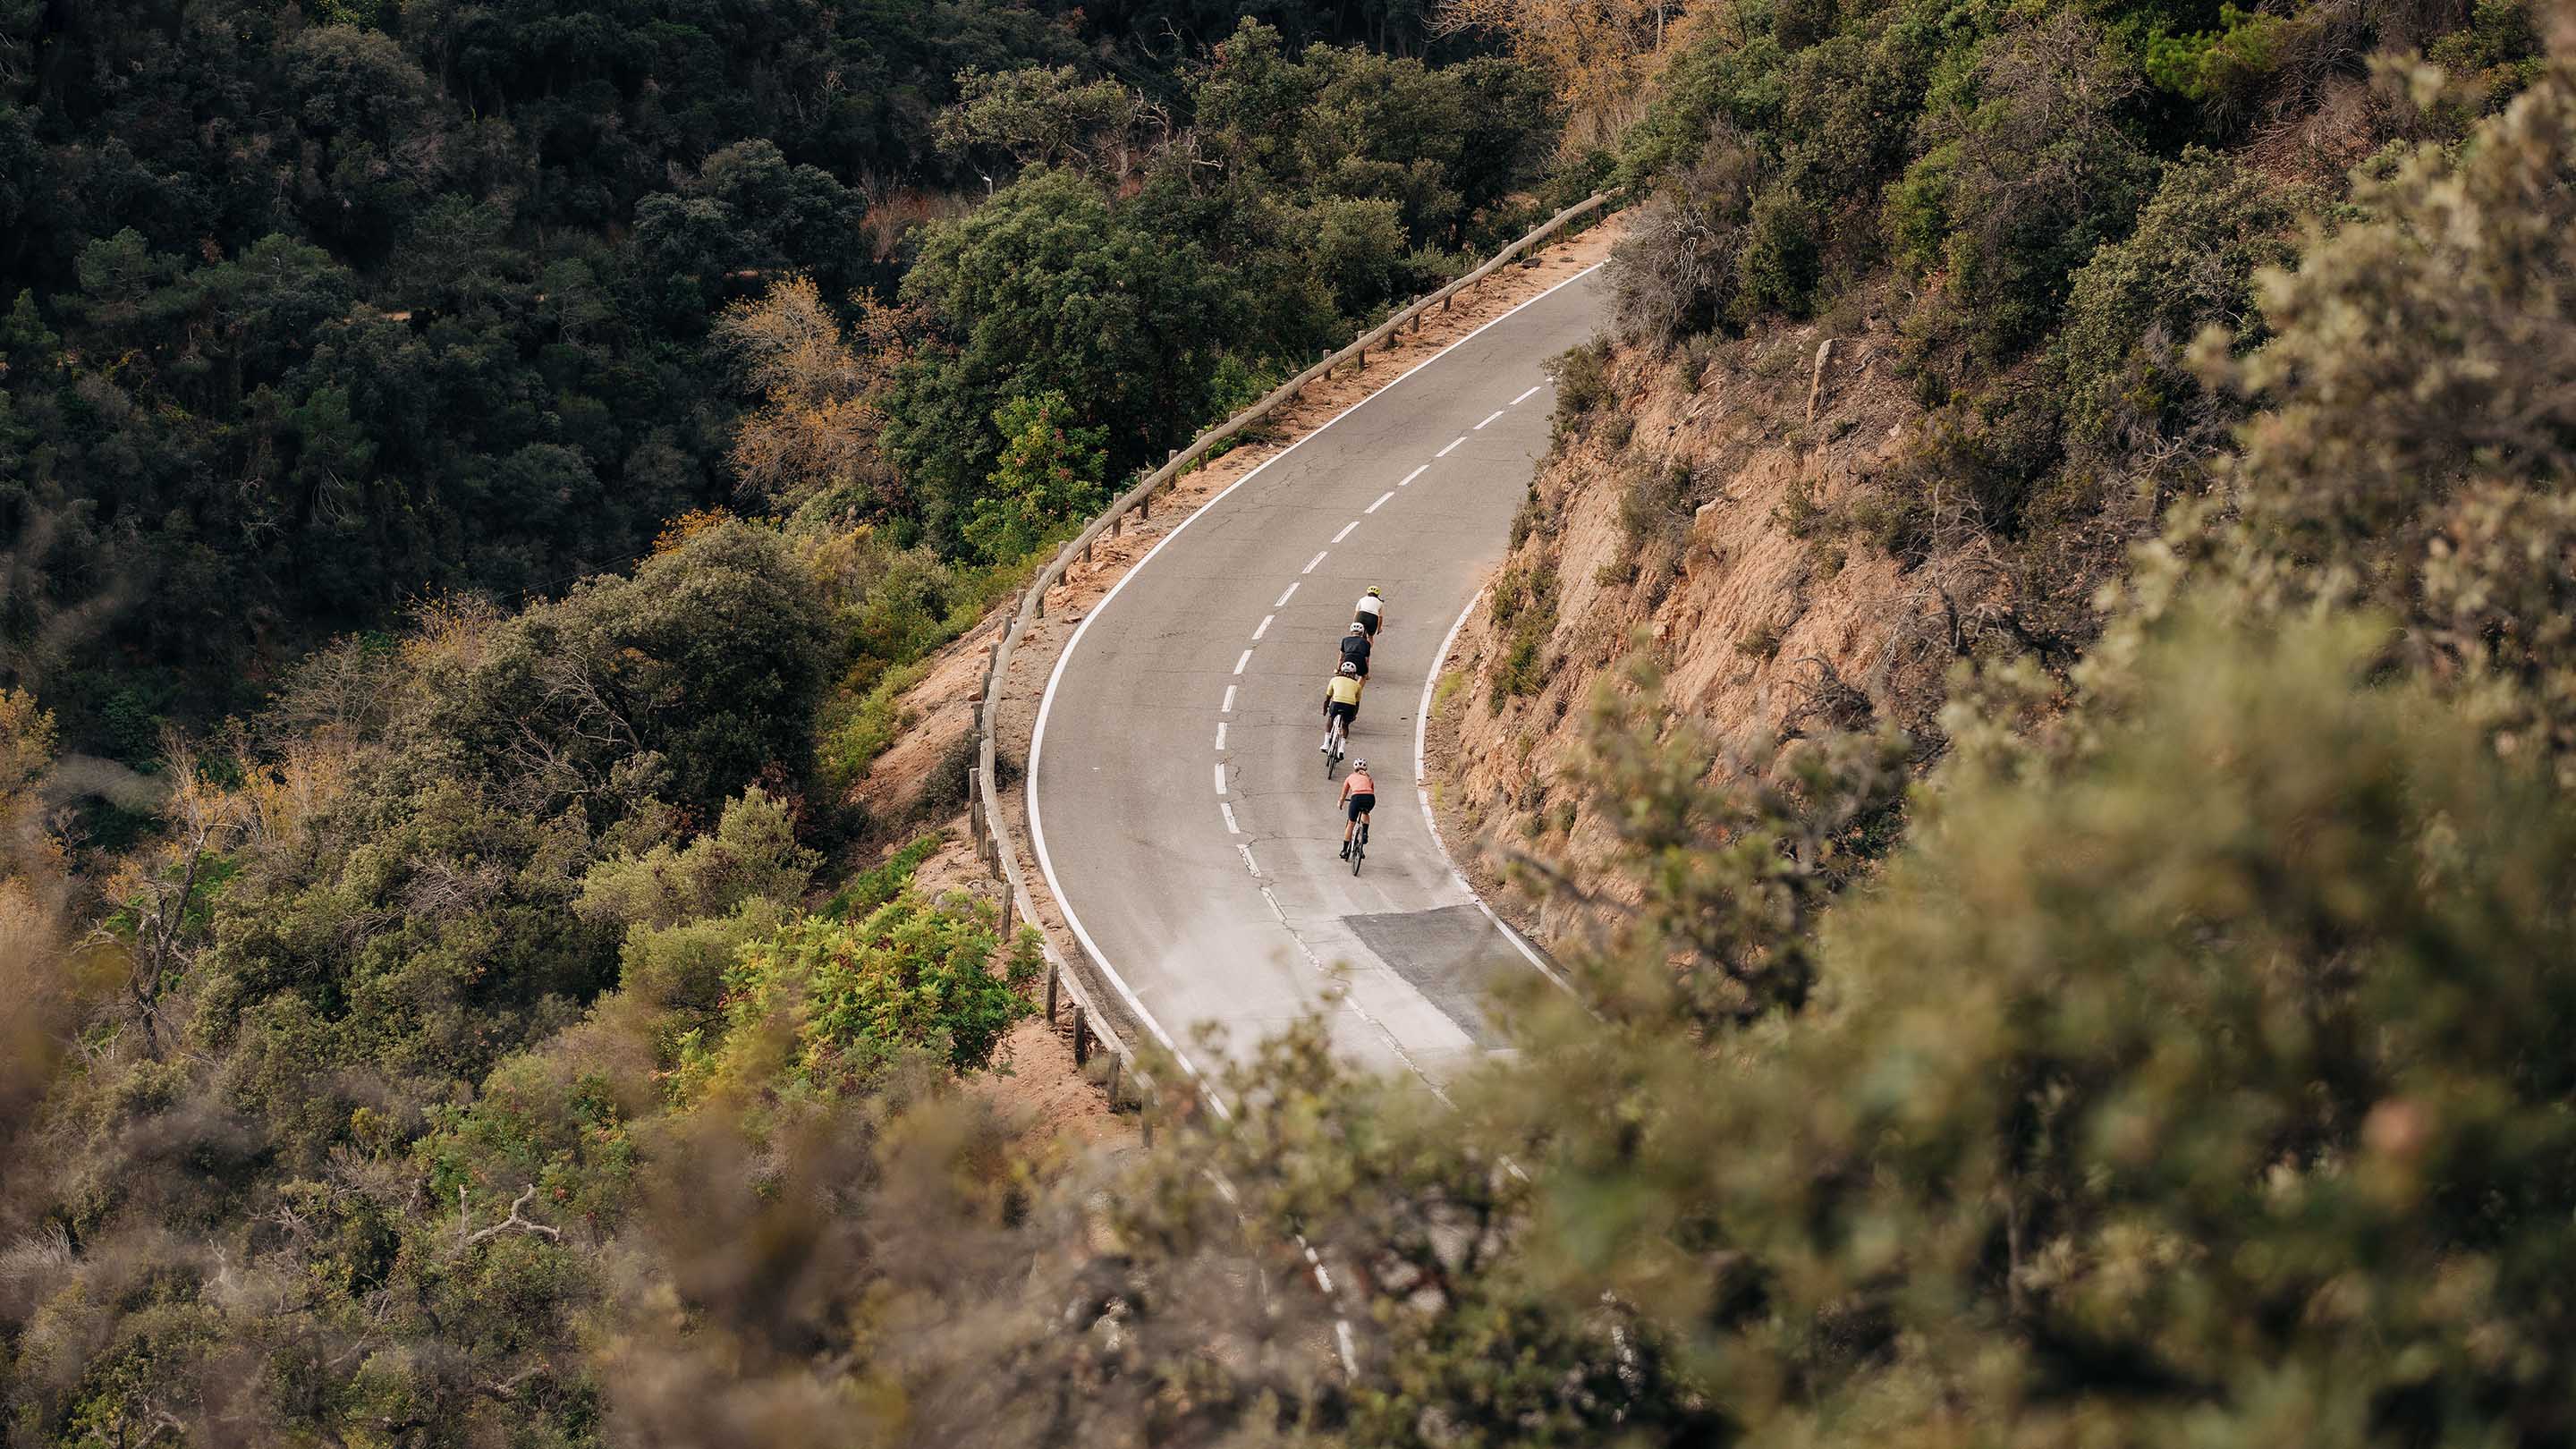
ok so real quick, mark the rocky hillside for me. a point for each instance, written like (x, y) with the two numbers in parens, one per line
(1684, 516)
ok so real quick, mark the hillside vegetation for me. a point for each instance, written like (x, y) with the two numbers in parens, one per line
(432, 1010)
(474, 482)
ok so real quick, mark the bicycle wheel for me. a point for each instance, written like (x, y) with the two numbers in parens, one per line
(1359, 852)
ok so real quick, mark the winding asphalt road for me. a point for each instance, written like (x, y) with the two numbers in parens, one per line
(1176, 797)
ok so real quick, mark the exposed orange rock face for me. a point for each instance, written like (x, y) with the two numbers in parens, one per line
(1685, 516)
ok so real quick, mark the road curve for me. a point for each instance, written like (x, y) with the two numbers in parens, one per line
(1176, 799)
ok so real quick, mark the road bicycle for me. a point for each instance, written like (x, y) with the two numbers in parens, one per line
(1338, 740)
(1359, 847)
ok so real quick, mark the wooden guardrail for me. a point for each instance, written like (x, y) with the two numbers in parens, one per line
(1092, 1028)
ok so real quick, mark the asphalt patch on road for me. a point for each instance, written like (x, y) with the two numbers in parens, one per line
(1453, 956)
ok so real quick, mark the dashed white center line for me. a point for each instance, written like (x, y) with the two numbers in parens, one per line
(1230, 827)
(1283, 598)
(1247, 860)
(1453, 447)
(1346, 531)
(1525, 397)
(1220, 779)
(1246, 659)
(1381, 500)
(1496, 413)
(1220, 734)
(1416, 473)
(1228, 706)
(1310, 563)
(1264, 629)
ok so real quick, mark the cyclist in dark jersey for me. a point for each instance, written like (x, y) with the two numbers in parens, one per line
(1355, 648)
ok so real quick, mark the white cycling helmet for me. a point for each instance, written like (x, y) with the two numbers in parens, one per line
(1358, 628)
(1349, 668)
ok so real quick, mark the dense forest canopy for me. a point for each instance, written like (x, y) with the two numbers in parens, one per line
(475, 484)
(313, 314)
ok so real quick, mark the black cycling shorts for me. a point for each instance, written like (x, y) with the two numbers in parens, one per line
(1334, 709)
(1367, 621)
(1362, 804)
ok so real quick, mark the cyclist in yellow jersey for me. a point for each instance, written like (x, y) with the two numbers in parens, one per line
(1341, 703)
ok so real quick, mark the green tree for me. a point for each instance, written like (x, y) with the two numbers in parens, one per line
(1049, 288)
(1048, 471)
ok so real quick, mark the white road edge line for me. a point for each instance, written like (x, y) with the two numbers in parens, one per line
(1264, 629)
(1453, 446)
(1346, 530)
(1489, 417)
(1525, 397)
(1246, 659)
(1381, 500)
(1422, 791)
(1283, 598)
(1416, 473)
(1310, 563)
(1046, 700)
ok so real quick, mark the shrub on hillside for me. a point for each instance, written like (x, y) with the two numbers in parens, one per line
(1525, 614)
(1583, 384)
(2026, 170)
(2138, 305)
(827, 1005)
(1676, 274)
